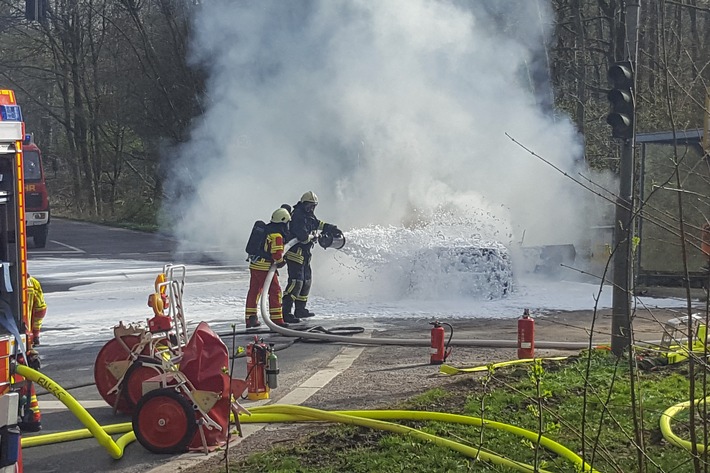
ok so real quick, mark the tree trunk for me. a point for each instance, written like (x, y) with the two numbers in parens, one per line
(581, 66)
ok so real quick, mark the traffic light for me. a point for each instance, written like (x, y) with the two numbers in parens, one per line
(621, 96)
(35, 10)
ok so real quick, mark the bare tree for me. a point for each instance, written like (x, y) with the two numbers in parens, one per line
(111, 80)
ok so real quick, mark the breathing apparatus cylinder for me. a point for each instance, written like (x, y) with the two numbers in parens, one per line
(256, 370)
(438, 348)
(526, 336)
(272, 368)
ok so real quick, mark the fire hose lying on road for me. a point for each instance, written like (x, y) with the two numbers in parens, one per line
(114, 448)
(414, 342)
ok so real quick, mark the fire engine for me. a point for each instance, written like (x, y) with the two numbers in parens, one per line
(13, 276)
(36, 196)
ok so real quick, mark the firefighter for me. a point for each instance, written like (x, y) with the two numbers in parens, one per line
(273, 252)
(36, 307)
(29, 415)
(304, 225)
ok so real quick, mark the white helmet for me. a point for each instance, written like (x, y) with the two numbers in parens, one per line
(280, 216)
(310, 196)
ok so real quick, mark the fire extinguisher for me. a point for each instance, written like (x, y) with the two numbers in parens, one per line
(256, 370)
(272, 368)
(526, 336)
(439, 352)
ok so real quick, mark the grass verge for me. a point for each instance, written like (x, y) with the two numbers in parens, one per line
(583, 403)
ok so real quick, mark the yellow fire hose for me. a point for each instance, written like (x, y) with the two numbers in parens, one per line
(665, 421)
(298, 413)
(278, 414)
(114, 448)
(79, 434)
(286, 413)
(451, 370)
(374, 419)
(667, 432)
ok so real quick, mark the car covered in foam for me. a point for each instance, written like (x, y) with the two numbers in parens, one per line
(481, 271)
(428, 262)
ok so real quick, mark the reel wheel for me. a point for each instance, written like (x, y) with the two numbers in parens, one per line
(164, 421)
(111, 352)
(139, 371)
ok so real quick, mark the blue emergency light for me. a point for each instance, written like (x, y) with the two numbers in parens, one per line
(10, 113)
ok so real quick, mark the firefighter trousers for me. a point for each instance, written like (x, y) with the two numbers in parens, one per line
(256, 283)
(299, 283)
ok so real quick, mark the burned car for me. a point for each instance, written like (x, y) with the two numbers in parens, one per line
(483, 271)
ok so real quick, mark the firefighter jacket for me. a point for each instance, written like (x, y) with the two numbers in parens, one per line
(35, 297)
(302, 226)
(274, 245)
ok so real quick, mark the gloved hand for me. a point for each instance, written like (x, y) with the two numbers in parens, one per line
(281, 264)
(332, 229)
(33, 360)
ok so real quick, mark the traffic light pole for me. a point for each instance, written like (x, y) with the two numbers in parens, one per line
(623, 233)
(624, 227)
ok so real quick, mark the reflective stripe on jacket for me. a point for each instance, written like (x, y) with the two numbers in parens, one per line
(273, 245)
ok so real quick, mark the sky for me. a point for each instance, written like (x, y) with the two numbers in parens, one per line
(398, 114)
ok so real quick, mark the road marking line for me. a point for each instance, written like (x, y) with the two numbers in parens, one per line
(59, 405)
(300, 394)
(73, 248)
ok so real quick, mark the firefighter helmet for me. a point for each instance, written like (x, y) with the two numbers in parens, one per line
(280, 216)
(310, 197)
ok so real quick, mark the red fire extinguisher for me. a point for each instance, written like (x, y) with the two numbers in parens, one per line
(256, 370)
(526, 336)
(439, 351)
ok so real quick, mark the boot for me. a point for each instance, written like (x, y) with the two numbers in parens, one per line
(30, 426)
(30, 418)
(291, 319)
(286, 304)
(280, 322)
(301, 312)
(253, 321)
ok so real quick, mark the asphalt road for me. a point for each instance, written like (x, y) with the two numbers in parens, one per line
(72, 365)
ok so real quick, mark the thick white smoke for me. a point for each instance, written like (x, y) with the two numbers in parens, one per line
(390, 110)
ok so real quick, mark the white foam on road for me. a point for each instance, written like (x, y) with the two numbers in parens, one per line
(110, 291)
